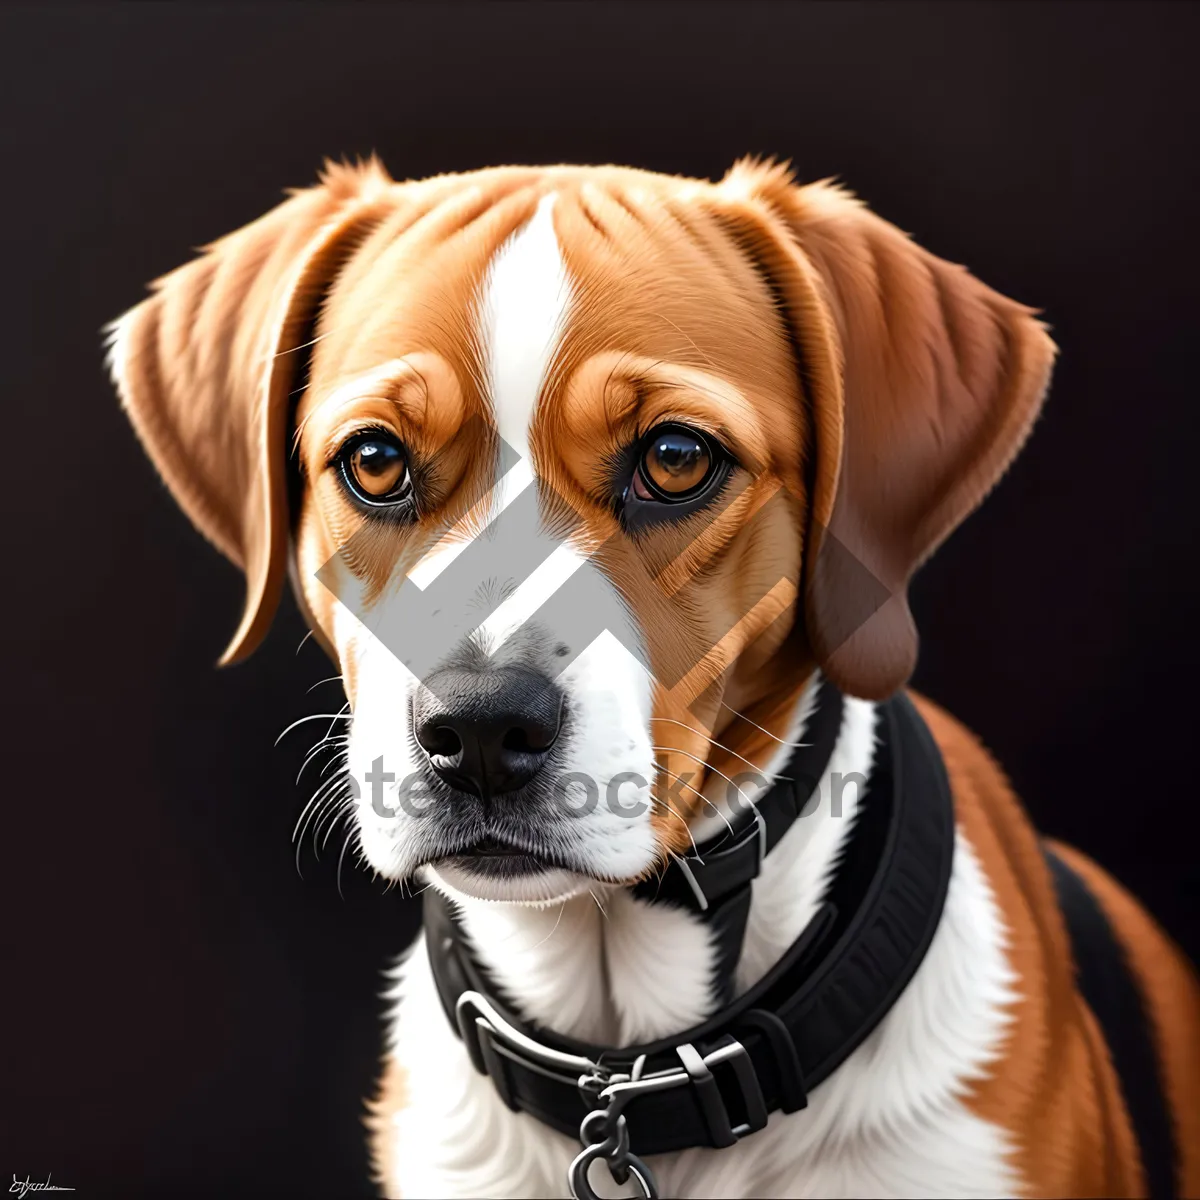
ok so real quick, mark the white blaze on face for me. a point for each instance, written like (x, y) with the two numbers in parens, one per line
(524, 306)
(525, 301)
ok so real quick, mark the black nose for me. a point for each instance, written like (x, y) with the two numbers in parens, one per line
(487, 732)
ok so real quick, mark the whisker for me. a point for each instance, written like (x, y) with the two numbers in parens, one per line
(350, 833)
(330, 786)
(600, 906)
(301, 824)
(659, 873)
(302, 641)
(338, 716)
(311, 807)
(298, 832)
(323, 744)
(676, 750)
(331, 679)
(344, 755)
(701, 795)
(684, 823)
(345, 809)
(314, 717)
(562, 908)
(705, 736)
(796, 745)
(330, 808)
(679, 859)
(303, 345)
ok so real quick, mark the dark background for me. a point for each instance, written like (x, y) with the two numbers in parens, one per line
(183, 1013)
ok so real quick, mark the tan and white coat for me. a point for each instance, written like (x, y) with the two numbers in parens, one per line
(871, 395)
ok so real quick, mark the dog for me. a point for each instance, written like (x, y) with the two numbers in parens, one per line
(721, 425)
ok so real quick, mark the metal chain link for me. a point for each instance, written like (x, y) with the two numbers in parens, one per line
(604, 1134)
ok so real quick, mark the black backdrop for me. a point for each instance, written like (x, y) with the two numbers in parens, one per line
(183, 1013)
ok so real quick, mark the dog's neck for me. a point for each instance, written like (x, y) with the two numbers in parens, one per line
(614, 970)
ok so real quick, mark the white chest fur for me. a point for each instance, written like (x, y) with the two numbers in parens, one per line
(889, 1122)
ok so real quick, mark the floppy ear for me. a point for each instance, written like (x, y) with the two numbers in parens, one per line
(206, 368)
(923, 383)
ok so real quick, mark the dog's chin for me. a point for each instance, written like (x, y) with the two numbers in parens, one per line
(508, 879)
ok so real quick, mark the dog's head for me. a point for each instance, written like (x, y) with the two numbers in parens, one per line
(579, 474)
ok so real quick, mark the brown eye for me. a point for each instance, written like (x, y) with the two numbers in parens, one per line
(676, 462)
(375, 468)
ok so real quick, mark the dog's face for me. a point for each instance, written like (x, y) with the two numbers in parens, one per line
(580, 474)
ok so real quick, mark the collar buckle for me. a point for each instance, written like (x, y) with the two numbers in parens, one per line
(486, 1035)
(489, 1037)
(696, 1071)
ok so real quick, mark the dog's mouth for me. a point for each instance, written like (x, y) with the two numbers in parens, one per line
(494, 858)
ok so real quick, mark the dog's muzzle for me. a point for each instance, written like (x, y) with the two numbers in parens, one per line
(488, 732)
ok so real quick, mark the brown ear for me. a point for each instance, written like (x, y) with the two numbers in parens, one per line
(205, 368)
(923, 384)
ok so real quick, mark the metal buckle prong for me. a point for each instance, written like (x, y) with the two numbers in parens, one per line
(761, 823)
(473, 1012)
(701, 899)
(685, 867)
(712, 1104)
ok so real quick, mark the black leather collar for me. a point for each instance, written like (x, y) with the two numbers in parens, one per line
(763, 1052)
(713, 880)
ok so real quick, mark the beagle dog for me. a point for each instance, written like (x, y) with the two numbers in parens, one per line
(603, 489)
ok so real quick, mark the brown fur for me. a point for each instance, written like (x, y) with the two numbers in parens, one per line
(1053, 1089)
(1171, 993)
(391, 1096)
(872, 392)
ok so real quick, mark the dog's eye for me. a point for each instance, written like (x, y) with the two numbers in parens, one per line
(675, 463)
(375, 468)
(668, 475)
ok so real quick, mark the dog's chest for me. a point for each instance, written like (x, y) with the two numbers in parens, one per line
(890, 1122)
